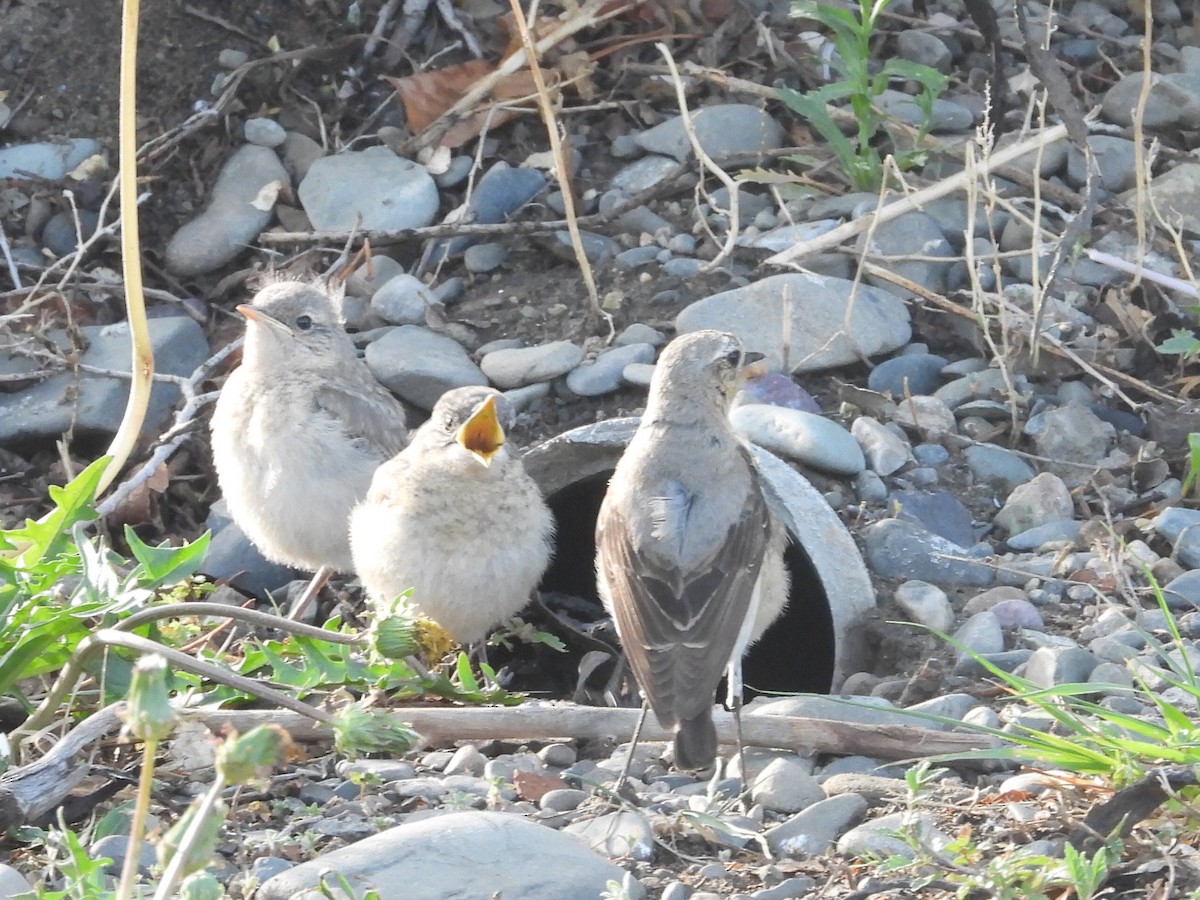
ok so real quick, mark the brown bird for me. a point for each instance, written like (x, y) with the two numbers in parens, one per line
(689, 558)
(456, 518)
(300, 428)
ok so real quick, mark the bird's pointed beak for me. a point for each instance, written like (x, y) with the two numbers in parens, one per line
(481, 435)
(753, 365)
(262, 318)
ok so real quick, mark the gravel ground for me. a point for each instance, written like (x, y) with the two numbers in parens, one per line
(1019, 501)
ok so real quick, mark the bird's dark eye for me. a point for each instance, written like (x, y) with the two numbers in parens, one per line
(304, 323)
(733, 357)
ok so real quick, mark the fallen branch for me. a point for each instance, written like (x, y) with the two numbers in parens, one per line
(28, 792)
(442, 726)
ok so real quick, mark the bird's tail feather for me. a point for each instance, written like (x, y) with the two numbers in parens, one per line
(696, 742)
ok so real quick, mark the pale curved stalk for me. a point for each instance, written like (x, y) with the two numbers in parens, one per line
(137, 829)
(131, 261)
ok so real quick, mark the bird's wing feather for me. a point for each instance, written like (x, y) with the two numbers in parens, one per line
(367, 414)
(679, 627)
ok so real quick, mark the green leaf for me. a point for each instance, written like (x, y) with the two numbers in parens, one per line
(166, 565)
(927, 76)
(47, 537)
(1181, 342)
(465, 676)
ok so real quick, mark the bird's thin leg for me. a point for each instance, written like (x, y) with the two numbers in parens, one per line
(319, 580)
(733, 700)
(633, 742)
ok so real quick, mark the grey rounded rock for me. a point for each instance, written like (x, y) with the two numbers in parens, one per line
(785, 786)
(402, 300)
(527, 365)
(372, 190)
(989, 462)
(913, 234)
(264, 132)
(924, 48)
(617, 835)
(981, 634)
(299, 153)
(453, 854)
(885, 451)
(828, 327)
(94, 403)
(638, 374)
(795, 434)
(1043, 499)
(484, 258)
(947, 116)
(637, 333)
(60, 236)
(1062, 665)
(604, 374)
(1057, 531)
(51, 161)
(896, 548)
(232, 219)
(926, 604)
(1115, 162)
(915, 373)
(929, 416)
(635, 257)
(116, 847)
(1173, 101)
(722, 130)
(683, 267)
(877, 837)
(813, 831)
(419, 365)
(643, 174)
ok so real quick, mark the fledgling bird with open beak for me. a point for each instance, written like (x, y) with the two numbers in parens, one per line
(300, 428)
(456, 518)
(689, 558)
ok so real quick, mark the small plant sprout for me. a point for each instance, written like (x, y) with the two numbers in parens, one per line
(149, 717)
(359, 730)
(188, 846)
(860, 84)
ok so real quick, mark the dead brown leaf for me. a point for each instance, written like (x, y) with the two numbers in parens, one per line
(427, 96)
(532, 787)
(138, 507)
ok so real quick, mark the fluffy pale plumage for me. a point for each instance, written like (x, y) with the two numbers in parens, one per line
(300, 428)
(689, 558)
(470, 536)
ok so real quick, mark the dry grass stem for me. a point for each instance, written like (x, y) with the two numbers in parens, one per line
(142, 365)
(562, 167)
(731, 186)
(1141, 168)
(946, 186)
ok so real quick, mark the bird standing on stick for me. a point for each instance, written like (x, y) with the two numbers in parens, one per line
(300, 428)
(689, 558)
(456, 518)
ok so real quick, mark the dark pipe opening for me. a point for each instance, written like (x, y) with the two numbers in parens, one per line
(796, 654)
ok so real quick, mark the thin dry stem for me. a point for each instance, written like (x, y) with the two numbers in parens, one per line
(562, 168)
(1141, 171)
(706, 161)
(142, 365)
(946, 186)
